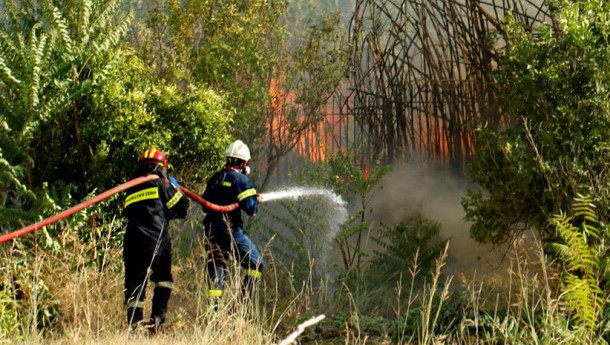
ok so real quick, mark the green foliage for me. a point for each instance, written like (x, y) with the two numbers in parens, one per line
(51, 54)
(229, 45)
(554, 86)
(348, 177)
(131, 112)
(414, 236)
(9, 317)
(93, 107)
(584, 257)
(197, 123)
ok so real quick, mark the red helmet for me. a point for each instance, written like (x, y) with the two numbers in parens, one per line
(153, 156)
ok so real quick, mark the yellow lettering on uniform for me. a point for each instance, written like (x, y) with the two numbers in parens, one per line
(145, 194)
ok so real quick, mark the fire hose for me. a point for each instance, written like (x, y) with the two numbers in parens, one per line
(103, 196)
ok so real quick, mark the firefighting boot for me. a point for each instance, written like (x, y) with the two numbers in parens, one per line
(250, 282)
(134, 317)
(159, 308)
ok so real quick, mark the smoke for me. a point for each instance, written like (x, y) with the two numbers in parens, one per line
(433, 192)
(436, 194)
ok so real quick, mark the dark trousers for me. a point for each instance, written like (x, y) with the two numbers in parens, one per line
(221, 242)
(138, 259)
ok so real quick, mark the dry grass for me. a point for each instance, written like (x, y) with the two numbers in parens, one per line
(525, 308)
(90, 310)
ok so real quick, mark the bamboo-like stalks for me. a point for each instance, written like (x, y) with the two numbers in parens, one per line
(422, 77)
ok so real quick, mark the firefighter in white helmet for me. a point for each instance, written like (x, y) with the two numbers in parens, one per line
(224, 231)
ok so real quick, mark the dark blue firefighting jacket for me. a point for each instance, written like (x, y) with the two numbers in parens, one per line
(225, 188)
(148, 208)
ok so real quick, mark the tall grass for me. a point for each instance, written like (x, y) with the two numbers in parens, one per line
(81, 302)
(72, 301)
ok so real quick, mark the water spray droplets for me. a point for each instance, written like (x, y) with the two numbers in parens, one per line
(334, 210)
(298, 192)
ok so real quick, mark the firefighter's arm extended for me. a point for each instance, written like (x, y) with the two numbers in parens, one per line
(177, 204)
(247, 197)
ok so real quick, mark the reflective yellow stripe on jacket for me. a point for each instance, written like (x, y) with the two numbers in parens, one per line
(214, 293)
(174, 200)
(254, 274)
(145, 194)
(245, 194)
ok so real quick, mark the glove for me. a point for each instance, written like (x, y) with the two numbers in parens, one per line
(174, 182)
(259, 198)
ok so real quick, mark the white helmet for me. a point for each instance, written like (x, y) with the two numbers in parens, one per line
(239, 150)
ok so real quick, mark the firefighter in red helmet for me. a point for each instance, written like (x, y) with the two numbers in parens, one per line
(147, 244)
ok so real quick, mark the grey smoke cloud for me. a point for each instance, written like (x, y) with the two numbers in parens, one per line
(436, 194)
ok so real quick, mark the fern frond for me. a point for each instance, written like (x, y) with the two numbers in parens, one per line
(85, 20)
(113, 38)
(38, 50)
(62, 26)
(9, 173)
(7, 72)
(582, 254)
(7, 44)
(21, 45)
(108, 68)
(106, 15)
(583, 207)
(10, 215)
(8, 110)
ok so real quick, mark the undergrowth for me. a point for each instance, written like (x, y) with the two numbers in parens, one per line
(66, 289)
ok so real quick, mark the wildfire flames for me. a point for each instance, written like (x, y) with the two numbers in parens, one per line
(312, 142)
(431, 143)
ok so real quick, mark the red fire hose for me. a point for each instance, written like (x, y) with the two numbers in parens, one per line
(209, 205)
(105, 195)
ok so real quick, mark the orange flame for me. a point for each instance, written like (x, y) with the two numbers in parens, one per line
(431, 142)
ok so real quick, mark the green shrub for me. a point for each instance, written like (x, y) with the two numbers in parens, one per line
(554, 139)
(415, 236)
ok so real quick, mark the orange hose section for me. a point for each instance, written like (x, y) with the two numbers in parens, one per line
(209, 205)
(79, 207)
(83, 205)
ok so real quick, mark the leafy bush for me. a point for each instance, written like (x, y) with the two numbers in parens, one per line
(415, 236)
(554, 84)
(128, 113)
(9, 318)
(52, 54)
